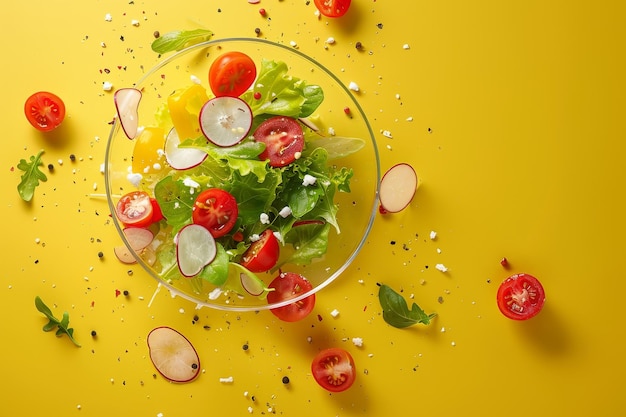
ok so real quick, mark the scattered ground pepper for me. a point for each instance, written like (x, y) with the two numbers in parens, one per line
(285, 380)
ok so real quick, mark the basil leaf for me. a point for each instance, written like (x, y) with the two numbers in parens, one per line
(180, 39)
(396, 311)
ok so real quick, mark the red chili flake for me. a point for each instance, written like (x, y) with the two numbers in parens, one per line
(346, 110)
(262, 12)
(257, 95)
(117, 293)
(504, 262)
(319, 317)
(364, 308)
(238, 236)
(93, 303)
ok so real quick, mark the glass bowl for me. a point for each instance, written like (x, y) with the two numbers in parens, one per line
(338, 116)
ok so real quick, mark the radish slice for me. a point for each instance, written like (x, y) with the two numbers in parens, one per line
(138, 238)
(127, 103)
(397, 188)
(173, 355)
(225, 121)
(181, 158)
(195, 249)
(124, 255)
(242, 281)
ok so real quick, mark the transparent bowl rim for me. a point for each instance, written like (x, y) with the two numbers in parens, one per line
(239, 308)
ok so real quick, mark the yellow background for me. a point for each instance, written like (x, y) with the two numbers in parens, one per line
(517, 133)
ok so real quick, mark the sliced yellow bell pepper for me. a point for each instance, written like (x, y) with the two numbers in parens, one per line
(184, 107)
(148, 149)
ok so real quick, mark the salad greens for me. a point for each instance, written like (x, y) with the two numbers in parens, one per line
(180, 39)
(31, 177)
(396, 311)
(61, 325)
(261, 191)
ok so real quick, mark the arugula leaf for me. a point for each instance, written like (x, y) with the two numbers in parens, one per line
(63, 324)
(180, 39)
(31, 177)
(396, 311)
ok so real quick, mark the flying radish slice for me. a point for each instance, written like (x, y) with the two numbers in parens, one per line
(127, 103)
(397, 188)
(173, 355)
(181, 158)
(225, 120)
(195, 249)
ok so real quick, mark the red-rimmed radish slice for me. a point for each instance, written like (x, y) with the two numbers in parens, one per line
(397, 188)
(225, 121)
(181, 158)
(195, 249)
(252, 285)
(138, 238)
(173, 355)
(242, 280)
(124, 255)
(127, 103)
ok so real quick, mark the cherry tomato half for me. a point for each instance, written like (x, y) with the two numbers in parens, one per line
(135, 209)
(231, 74)
(289, 285)
(332, 8)
(262, 254)
(283, 139)
(520, 297)
(334, 369)
(45, 111)
(216, 210)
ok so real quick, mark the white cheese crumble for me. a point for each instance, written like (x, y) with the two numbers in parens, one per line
(285, 212)
(406, 46)
(264, 218)
(195, 79)
(441, 267)
(107, 86)
(108, 17)
(387, 134)
(227, 380)
(330, 40)
(213, 295)
(254, 237)
(334, 313)
(293, 44)
(308, 180)
(190, 183)
(134, 178)
(433, 235)
(134, 22)
(357, 341)
(331, 131)
(353, 86)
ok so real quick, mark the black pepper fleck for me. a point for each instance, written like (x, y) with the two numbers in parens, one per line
(285, 380)
(358, 46)
(126, 293)
(100, 254)
(245, 346)
(93, 333)
(156, 34)
(50, 167)
(194, 366)
(72, 157)
(380, 26)
(393, 242)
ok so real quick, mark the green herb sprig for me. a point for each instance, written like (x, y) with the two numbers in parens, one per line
(31, 177)
(61, 325)
(180, 39)
(396, 311)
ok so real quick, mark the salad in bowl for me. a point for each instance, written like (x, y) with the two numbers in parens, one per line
(242, 175)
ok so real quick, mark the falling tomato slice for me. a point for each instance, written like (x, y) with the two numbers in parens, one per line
(44, 110)
(333, 369)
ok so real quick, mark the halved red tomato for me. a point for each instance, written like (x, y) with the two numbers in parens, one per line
(289, 285)
(135, 209)
(283, 138)
(44, 110)
(215, 209)
(520, 297)
(332, 8)
(231, 74)
(157, 214)
(262, 254)
(334, 369)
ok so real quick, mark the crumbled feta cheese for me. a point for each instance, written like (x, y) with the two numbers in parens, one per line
(195, 79)
(387, 134)
(330, 40)
(353, 86)
(357, 341)
(279, 237)
(108, 17)
(433, 235)
(293, 44)
(134, 22)
(190, 183)
(134, 178)
(264, 218)
(331, 131)
(254, 237)
(285, 212)
(308, 180)
(227, 380)
(107, 86)
(95, 186)
(213, 295)
(334, 313)
(441, 267)
(409, 119)
(297, 155)
(406, 46)
(250, 409)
